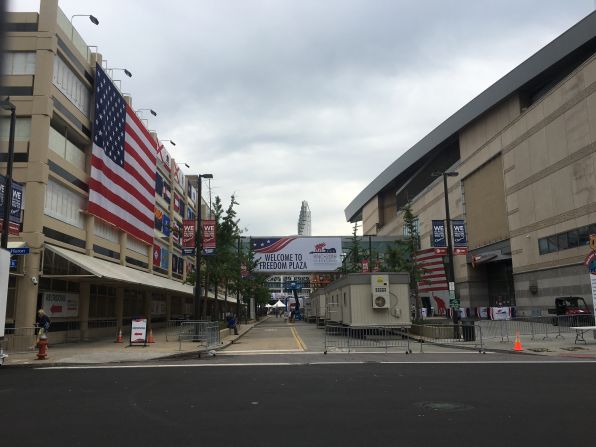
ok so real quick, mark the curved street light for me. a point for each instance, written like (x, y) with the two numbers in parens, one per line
(92, 18)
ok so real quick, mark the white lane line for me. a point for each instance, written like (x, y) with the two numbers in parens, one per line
(356, 362)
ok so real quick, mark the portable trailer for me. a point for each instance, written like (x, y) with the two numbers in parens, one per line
(368, 299)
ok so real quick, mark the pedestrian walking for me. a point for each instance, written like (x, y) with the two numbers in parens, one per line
(43, 324)
(231, 320)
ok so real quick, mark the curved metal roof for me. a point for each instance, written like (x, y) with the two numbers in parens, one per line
(562, 46)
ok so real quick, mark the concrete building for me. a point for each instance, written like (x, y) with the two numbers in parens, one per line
(524, 150)
(83, 270)
(304, 224)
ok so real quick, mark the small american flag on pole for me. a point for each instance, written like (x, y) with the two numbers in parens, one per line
(123, 158)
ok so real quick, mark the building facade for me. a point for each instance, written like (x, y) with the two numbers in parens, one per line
(525, 155)
(79, 267)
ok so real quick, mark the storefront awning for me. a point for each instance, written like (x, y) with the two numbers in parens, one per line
(120, 273)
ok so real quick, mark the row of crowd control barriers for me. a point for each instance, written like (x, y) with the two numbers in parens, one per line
(205, 333)
(472, 334)
(360, 339)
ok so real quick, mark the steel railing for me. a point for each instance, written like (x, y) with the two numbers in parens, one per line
(20, 339)
(466, 334)
(356, 338)
(205, 333)
(542, 327)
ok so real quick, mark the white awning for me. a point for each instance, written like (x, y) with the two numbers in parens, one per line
(117, 272)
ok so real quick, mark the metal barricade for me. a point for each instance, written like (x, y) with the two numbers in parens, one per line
(20, 339)
(540, 327)
(467, 334)
(356, 338)
(206, 333)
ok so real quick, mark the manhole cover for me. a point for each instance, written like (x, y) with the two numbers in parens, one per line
(443, 406)
(574, 348)
(539, 350)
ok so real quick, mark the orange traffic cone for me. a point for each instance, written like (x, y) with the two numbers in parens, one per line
(119, 337)
(150, 339)
(517, 346)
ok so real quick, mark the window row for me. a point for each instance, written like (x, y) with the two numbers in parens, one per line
(578, 237)
(21, 63)
(72, 87)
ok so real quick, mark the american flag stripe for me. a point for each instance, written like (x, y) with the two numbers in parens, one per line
(114, 181)
(122, 183)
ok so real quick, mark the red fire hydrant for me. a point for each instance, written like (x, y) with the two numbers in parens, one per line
(42, 344)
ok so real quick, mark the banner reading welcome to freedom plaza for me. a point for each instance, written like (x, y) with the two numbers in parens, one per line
(297, 254)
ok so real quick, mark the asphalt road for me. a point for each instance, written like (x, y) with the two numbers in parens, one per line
(214, 404)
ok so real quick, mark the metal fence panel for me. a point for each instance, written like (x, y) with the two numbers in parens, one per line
(538, 328)
(466, 334)
(355, 338)
(206, 333)
(20, 339)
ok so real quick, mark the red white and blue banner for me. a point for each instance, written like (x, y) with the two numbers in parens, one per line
(297, 254)
(123, 160)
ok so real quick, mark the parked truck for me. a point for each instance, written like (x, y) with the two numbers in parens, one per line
(571, 311)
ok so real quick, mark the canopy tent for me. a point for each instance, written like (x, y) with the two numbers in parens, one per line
(279, 304)
(268, 305)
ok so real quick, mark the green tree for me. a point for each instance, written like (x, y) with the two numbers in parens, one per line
(223, 265)
(352, 262)
(401, 257)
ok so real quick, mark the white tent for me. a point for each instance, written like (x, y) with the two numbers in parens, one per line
(268, 305)
(279, 304)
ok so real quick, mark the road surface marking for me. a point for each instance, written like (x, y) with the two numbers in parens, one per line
(355, 362)
(299, 341)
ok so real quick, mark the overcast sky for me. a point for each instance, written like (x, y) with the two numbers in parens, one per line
(291, 100)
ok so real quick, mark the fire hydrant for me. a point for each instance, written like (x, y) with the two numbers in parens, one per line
(42, 344)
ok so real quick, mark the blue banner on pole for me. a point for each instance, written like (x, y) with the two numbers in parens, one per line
(17, 200)
(438, 234)
(460, 238)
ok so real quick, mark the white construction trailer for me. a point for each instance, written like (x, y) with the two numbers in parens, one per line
(368, 299)
(319, 306)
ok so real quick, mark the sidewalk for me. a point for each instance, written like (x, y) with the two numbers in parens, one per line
(563, 345)
(106, 351)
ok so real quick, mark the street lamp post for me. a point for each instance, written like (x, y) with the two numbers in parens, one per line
(8, 185)
(199, 249)
(92, 18)
(451, 279)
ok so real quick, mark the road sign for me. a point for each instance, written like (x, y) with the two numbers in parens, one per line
(19, 251)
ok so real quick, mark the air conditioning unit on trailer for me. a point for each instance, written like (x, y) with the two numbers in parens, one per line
(379, 285)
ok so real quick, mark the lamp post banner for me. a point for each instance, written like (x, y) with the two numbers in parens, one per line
(208, 236)
(16, 202)
(297, 254)
(460, 238)
(439, 239)
(188, 234)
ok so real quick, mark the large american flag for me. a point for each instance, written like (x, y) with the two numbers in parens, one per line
(122, 183)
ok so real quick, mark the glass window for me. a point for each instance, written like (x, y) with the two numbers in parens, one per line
(562, 241)
(572, 239)
(592, 228)
(552, 243)
(584, 237)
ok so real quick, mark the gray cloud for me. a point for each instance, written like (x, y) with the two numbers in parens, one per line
(285, 101)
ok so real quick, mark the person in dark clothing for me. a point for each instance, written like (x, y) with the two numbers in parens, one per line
(43, 324)
(231, 320)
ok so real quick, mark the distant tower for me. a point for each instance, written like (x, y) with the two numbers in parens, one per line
(304, 220)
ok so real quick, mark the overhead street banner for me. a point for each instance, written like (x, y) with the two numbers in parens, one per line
(297, 254)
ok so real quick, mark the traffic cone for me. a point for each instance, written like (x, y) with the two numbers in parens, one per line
(517, 346)
(119, 337)
(150, 339)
